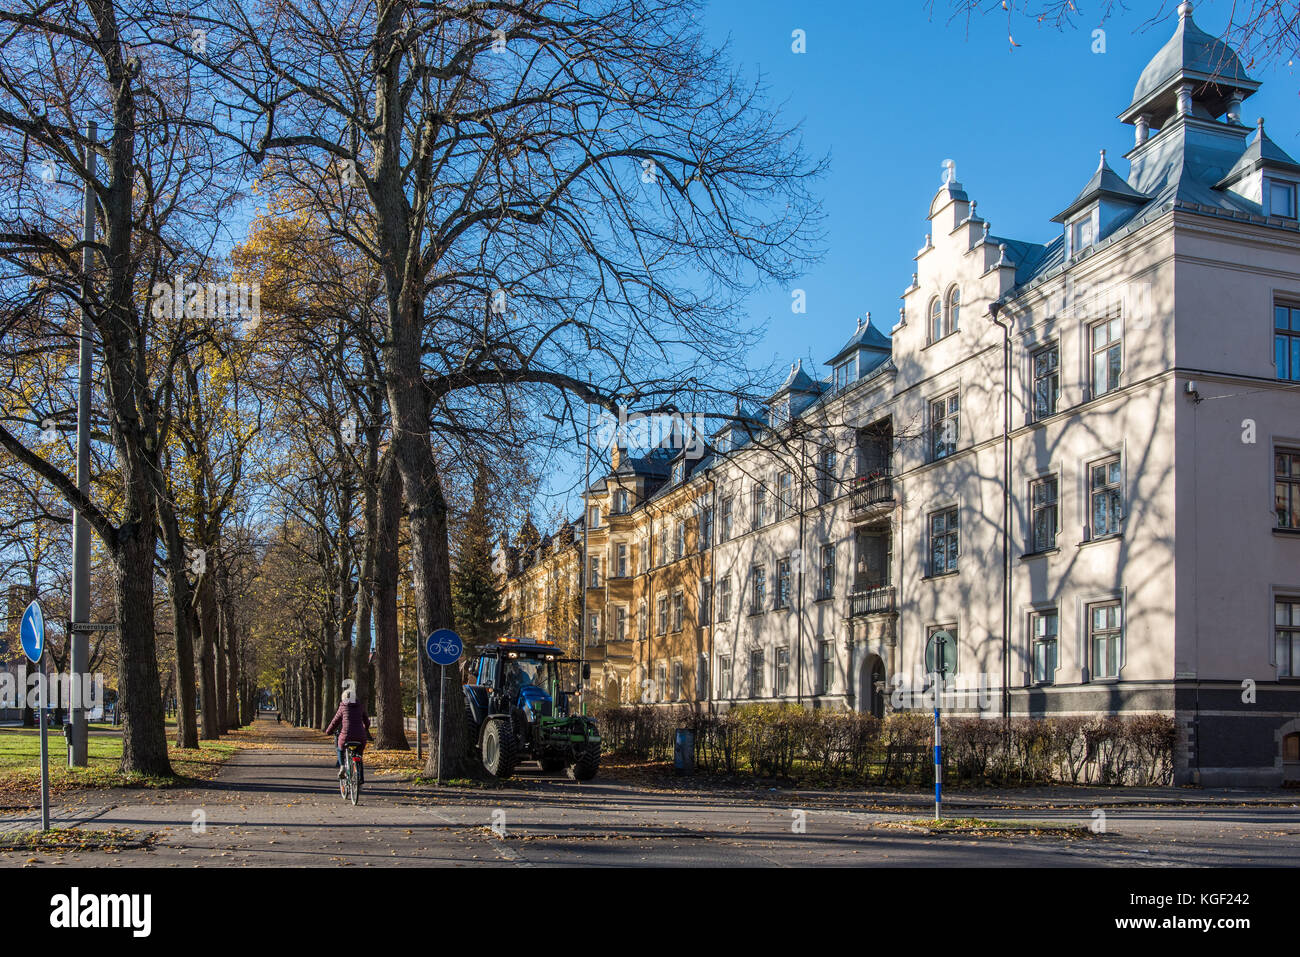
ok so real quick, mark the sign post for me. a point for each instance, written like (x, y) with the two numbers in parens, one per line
(444, 648)
(32, 634)
(940, 659)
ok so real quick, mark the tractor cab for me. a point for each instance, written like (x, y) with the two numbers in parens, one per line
(522, 675)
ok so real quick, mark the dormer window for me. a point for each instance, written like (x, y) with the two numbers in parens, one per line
(844, 373)
(1082, 234)
(679, 472)
(780, 413)
(1281, 199)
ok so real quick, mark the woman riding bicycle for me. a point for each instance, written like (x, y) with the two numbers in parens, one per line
(353, 726)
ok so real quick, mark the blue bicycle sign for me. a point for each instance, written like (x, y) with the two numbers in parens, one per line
(444, 646)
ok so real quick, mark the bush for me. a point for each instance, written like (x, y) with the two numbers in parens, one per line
(793, 742)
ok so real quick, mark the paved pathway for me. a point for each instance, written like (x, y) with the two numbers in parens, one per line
(277, 803)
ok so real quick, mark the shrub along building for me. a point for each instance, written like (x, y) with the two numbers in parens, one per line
(1079, 458)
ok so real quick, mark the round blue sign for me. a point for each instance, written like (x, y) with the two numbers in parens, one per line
(32, 632)
(444, 646)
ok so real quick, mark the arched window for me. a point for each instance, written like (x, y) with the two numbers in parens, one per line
(954, 309)
(936, 321)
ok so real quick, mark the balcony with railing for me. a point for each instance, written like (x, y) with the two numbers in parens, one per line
(873, 494)
(873, 600)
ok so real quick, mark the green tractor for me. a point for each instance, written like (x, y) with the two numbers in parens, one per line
(518, 712)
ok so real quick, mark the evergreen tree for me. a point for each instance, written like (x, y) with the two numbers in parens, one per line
(476, 600)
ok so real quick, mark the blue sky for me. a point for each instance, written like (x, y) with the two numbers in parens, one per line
(889, 93)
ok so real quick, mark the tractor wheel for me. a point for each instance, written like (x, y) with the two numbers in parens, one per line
(500, 748)
(585, 768)
(551, 765)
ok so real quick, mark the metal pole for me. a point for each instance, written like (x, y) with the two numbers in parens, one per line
(586, 560)
(938, 727)
(79, 660)
(45, 753)
(419, 696)
(442, 712)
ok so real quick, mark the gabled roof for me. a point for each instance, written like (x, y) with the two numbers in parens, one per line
(866, 336)
(1190, 55)
(1104, 183)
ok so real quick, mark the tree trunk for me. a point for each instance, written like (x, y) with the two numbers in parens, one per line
(389, 714)
(210, 726)
(366, 572)
(230, 632)
(144, 736)
(427, 515)
(178, 586)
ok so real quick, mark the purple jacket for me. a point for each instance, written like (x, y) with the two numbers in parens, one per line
(351, 722)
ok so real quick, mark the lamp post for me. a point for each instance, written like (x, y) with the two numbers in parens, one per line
(586, 558)
(79, 656)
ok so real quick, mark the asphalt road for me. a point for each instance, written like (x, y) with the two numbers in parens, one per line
(277, 804)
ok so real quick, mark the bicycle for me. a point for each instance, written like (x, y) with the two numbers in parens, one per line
(350, 783)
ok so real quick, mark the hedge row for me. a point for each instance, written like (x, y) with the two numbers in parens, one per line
(788, 741)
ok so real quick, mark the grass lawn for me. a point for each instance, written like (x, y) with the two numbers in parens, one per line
(20, 764)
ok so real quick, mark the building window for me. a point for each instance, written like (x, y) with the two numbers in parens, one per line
(936, 320)
(620, 624)
(826, 476)
(1286, 487)
(826, 586)
(1042, 497)
(843, 374)
(706, 603)
(758, 589)
(784, 495)
(944, 419)
(642, 622)
(724, 599)
(620, 562)
(781, 672)
(595, 571)
(1044, 625)
(679, 472)
(1286, 617)
(1081, 234)
(954, 309)
(783, 583)
(943, 541)
(1106, 493)
(706, 528)
(1286, 342)
(679, 605)
(661, 683)
(677, 681)
(594, 628)
(620, 501)
(1107, 356)
(681, 540)
(826, 659)
(1281, 199)
(702, 676)
(724, 677)
(663, 543)
(760, 504)
(663, 614)
(1106, 638)
(756, 674)
(727, 511)
(595, 516)
(1047, 380)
